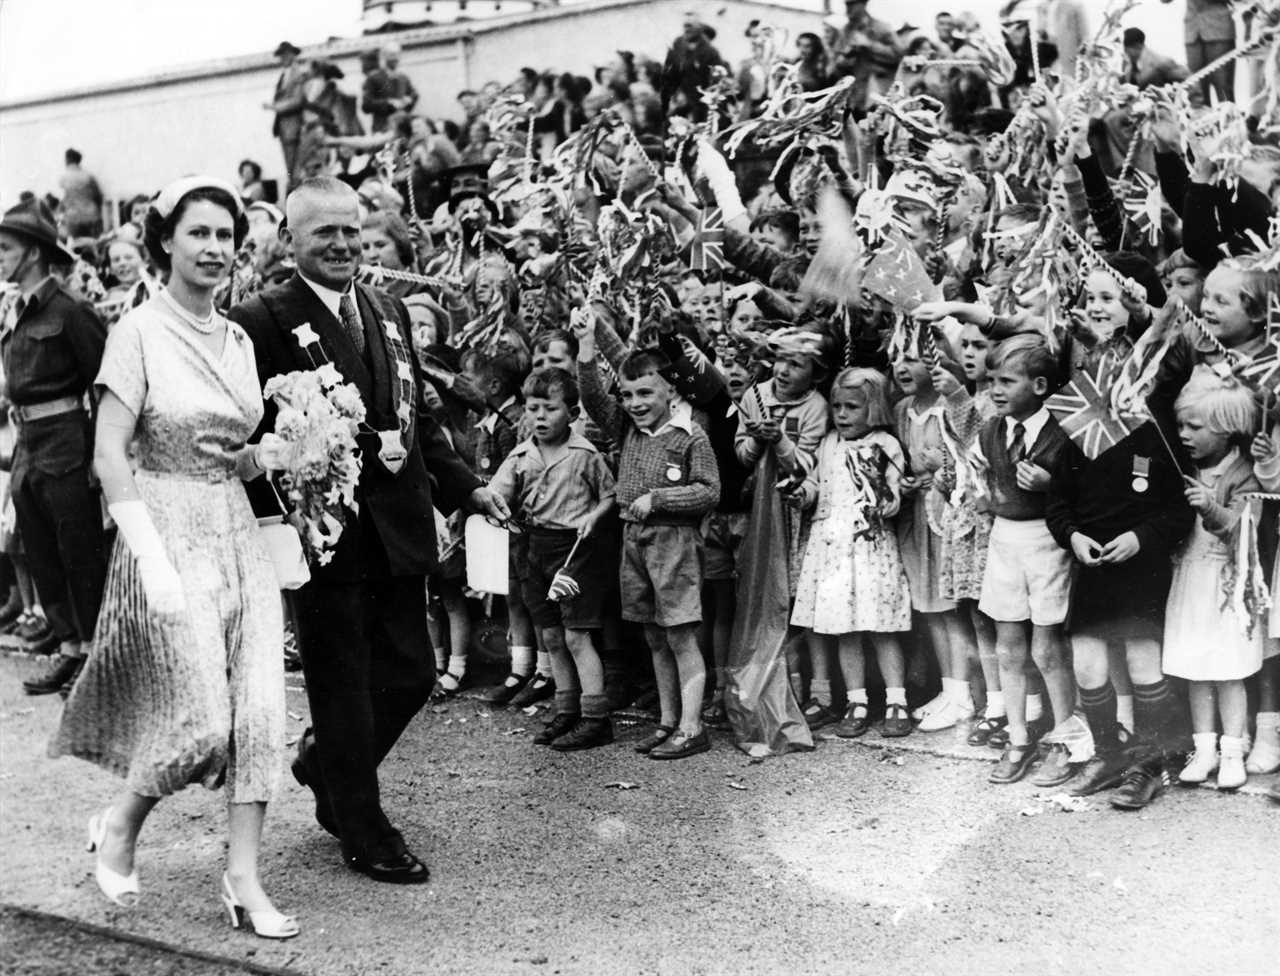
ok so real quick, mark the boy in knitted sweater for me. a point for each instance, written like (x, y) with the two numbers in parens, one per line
(667, 482)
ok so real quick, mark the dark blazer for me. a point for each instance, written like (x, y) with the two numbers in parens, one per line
(395, 510)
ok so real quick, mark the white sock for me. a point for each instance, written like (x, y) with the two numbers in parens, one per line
(1035, 707)
(1231, 747)
(521, 663)
(858, 696)
(1268, 721)
(1206, 743)
(544, 662)
(995, 705)
(895, 696)
(957, 690)
(1124, 711)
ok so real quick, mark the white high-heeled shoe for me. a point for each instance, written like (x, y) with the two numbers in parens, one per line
(115, 886)
(266, 925)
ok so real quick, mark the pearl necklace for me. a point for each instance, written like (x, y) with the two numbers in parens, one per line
(205, 326)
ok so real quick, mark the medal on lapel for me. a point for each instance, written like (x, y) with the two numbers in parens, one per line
(675, 469)
(1141, 474)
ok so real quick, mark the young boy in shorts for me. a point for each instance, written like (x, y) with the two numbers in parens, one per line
(1028, 575)
(560, 487)
(667, 482)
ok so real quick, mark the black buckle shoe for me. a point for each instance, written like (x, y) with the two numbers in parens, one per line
(61, 672)
(501, 695)
(403, 868)
(536, 689)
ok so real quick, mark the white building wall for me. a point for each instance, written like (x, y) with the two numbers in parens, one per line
(137, 136)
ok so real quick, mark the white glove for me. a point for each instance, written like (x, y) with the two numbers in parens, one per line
(160, 581)
(723, 185)
(269, 454)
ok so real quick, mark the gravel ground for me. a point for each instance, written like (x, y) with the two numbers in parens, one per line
(851, 859)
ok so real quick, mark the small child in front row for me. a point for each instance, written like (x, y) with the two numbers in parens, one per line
(1213, 646)
(560, 486)
(852, 583)
(1028, 575)
(667, 482)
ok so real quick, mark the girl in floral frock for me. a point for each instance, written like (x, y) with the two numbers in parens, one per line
(185, 682)
(851, 580)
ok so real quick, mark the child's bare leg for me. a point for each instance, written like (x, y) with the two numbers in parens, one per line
(664, 674)
(1264, 757)
(1118, 670)
(984, 632)
(1204, 717)
(586, 660)
(726, 602)
(853, 665)
(820, 665)
(893, 666)
(962, 647)
(1011, 646)
(1233, 708)
(1049, 652)
(562, 670)
(691, 675)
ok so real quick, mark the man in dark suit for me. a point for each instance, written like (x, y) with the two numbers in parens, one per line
(287, 104)
(362, 618)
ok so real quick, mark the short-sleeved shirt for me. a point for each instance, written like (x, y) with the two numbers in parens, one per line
(195, 409)
(556, 495)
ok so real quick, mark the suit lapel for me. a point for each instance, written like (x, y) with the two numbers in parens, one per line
(333, 337)
(372, 317)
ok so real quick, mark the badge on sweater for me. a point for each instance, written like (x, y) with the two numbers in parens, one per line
(675, 466)
(1141, 474)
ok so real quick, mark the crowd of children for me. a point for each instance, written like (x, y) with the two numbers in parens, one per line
(958, 421)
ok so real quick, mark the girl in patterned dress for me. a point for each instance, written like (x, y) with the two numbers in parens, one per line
(967, 525)
(852, 583)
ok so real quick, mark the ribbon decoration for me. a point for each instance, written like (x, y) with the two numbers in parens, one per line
(1244, 585)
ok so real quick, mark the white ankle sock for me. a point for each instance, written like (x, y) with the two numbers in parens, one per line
(522, 661)
(857, 696)
(1230, 746)
(1268, 721)
(1206, 742)
(1035, 707)
(995, 705)
(544, 662)
(895, 696)
(1124, 711)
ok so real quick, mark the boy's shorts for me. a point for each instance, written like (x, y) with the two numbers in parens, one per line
(725, 532)
(661, 574)
(544, 555)
(1028, 574)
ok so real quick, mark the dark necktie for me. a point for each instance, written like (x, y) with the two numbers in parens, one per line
(1018, 446)
(351, 322)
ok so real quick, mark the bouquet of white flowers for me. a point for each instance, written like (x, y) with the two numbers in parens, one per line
(318, 419)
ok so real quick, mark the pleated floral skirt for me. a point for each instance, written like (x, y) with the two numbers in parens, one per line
(196, 699)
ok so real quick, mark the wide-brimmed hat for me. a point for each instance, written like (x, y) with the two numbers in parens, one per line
(469, 181)
(284, 47)
(33, 221)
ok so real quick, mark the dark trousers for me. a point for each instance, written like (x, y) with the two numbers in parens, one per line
(369, 670)
(1223, 81)
(60, 521)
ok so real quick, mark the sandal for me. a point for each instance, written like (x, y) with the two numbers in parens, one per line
(658, 736)
(715, 716)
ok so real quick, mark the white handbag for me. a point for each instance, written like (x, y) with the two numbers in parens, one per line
(284, 546)
(282, 542)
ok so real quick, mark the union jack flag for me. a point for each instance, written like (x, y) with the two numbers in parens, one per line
(1262, 373)
(706, 250)
(1083, 408)
(897, 275)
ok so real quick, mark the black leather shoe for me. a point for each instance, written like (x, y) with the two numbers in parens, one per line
(587, 734)
(1142, 783)
(60, 671)
(503, 693)
(11, 611)
(323, 815)
(1013, 765)
(557, 727)
(400, 869)
(1100, 773)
